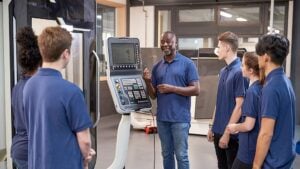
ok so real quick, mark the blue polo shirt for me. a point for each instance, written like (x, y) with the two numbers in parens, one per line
(56, 112)
(250, 108)
(278, 103)
(181, 72)
(231, 85)
(19, 148)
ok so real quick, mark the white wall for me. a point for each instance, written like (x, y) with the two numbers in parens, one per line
(142, 27)
(5, 103)
(2, 110)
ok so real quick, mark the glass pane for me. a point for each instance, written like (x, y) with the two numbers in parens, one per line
(279, 15)
(196, 15)
(249, 15)
(248, 43)
(105, 29)
(74, 70)
(164, 23)
(194, 43)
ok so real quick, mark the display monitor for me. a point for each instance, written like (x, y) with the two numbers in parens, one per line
(123, 53)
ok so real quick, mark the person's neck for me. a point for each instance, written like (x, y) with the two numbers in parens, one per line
(30, 73)
(170, 58)
(230, 58)
(253, 78)
(270, 67)
(52, 65)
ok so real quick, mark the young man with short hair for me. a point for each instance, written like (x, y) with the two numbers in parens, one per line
(58, 121)
(230, 97)
(275, 144)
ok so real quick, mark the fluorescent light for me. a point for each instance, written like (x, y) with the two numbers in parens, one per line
(241, 19)
(99, 17)
(225, 14)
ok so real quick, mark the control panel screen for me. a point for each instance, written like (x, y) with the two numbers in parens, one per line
(123, 53)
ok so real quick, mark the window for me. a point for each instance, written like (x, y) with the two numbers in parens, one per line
(278, 19)
(240, 15)
(196, 15)
(195, 43)
(248, 43)
(105, 29)
(164, 22)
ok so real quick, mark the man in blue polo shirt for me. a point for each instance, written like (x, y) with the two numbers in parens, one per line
(275, 144)
(230, 96)
(174, 80)
(58, 121)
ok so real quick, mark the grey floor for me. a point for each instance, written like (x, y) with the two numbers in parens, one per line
(141, 148)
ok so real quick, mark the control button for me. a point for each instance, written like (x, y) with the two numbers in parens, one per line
(122, 101)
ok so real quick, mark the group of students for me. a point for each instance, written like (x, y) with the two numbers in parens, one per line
(254, 126)
(50, 116)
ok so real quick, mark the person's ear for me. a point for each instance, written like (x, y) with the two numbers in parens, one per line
(66, 53)
(251, 70)
(267, 57)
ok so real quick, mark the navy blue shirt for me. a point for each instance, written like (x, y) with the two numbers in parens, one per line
(250, 108)
(56, 112)
(181, 72)
(278, 103)
(231, 85)
(19, 148)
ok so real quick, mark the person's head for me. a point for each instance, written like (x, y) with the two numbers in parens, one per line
(250, 66)
(29, 57)
(55, 43)
(272, 48)
(168, 43)
(227, 45)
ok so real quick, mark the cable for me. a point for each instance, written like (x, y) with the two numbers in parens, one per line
(154, 133)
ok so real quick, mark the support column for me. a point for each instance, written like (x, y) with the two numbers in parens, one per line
(295, 69)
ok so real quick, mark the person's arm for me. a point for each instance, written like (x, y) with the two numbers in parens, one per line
(210, 135)
(193, 89)
(263, 141)
(246, 126)
(237, 111)
(84, 141)
(235, 116)
(150, 89)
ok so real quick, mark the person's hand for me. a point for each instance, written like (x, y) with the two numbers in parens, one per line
(232, 128)
(224, 140)
(256, 167)
(88, 158)
(210, 136)
(165, 88)
(147, 75)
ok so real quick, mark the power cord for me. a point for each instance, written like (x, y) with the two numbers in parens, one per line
(154, 142)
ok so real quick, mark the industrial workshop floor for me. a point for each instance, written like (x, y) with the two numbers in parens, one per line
(141, 148)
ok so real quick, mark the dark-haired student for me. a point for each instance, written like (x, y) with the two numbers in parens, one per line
(29, 59)
(275, 144)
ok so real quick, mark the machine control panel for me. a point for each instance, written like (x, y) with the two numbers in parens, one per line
(124, 74)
